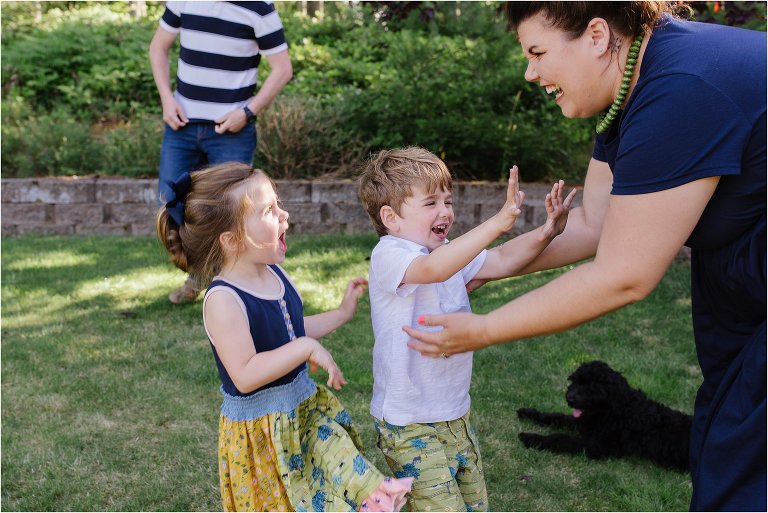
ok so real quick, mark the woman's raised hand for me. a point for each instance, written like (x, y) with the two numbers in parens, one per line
(462, 332)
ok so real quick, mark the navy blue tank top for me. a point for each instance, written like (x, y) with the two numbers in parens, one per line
(268, 327)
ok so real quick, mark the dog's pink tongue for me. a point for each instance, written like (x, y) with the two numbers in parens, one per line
(576, 414)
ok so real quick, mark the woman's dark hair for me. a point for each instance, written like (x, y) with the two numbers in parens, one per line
(626, 18)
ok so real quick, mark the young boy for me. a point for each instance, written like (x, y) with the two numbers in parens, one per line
(421, 405)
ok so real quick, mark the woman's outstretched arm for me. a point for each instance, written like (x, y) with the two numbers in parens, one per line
(640, 237)
(582, 233)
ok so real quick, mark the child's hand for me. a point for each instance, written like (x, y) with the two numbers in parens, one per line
(511, 209)
(355, 289)
(320, 357)
(557, 211)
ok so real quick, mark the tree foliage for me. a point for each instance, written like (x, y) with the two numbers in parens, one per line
(444, 75)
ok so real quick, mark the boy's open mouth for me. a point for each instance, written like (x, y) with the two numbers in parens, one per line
(281, 242)
(440, 230)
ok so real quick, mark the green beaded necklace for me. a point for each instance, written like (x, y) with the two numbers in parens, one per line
(606, 118)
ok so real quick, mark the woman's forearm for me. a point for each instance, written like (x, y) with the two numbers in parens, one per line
(582, 233)
(578, 242)
(637, 245)
(578, 296)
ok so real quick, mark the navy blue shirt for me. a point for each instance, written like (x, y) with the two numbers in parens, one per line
(698, 110)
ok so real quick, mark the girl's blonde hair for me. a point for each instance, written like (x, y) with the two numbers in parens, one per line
(389, 177)
(214, 205)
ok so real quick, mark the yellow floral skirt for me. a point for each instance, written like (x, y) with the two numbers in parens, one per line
(308, 459)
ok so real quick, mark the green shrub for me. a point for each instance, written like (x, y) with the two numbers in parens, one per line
(443, 75)
(325, 67)
(453, 85)
(132, 148)
(46, 144)
(57, 144)
(92, 62)
(299, 138)
(749, 15)
(467, 101)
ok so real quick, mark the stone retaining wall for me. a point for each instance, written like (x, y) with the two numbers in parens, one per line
(123, 206)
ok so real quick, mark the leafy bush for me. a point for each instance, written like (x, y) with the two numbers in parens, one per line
(299, 138)
(467, 101)
(461, 95)
(749, 15)
(46, 144)
(91, 61)
(58, 144)
(132, 148)
(370, 75)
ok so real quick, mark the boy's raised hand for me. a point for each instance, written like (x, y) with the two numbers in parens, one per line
(355, 289)
(320, 357)
(557, 211)
(512, 206)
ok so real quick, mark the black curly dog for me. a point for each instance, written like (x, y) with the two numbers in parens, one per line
(613, 420)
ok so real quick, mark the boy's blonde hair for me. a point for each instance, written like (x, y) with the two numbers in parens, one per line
(388, 178)
(214, 204)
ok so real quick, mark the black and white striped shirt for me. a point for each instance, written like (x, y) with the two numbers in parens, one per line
(221, 46)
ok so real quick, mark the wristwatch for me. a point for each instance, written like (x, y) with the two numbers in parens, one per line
(250, 117)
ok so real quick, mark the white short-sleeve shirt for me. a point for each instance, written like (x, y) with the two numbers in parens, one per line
(409, 388)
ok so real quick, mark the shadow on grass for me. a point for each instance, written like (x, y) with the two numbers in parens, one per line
(122, 393)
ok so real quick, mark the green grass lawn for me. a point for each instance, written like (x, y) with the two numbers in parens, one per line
(110, 393)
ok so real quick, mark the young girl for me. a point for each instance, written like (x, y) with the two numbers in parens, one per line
(285, 443)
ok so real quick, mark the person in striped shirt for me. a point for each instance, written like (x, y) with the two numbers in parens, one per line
(210, 116)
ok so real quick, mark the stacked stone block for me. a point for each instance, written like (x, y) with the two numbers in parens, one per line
(123, 206)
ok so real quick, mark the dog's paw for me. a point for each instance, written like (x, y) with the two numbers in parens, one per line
(526, 413)
(530, 439)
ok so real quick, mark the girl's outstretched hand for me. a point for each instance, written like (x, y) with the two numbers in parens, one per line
(355, 289)
(557, 211)
(320, 357)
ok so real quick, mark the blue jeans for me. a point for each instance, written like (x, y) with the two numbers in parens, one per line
(196, 145)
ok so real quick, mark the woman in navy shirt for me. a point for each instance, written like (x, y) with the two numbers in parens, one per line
(679, 159)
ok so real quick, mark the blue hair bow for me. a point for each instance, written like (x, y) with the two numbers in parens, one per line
(175, 205)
